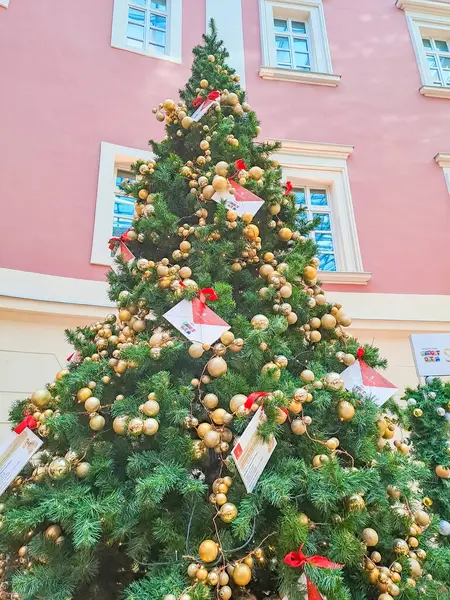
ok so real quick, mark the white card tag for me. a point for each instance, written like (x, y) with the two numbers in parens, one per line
(251, 454)
(202, 109)
(196, 321)
(15, 452)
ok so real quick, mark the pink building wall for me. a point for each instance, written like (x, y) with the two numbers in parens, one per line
(65, 89)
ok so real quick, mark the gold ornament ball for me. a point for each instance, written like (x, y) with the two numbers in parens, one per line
(120, 425)
(208, 551)
(385, 596)
(333, 381)
(53, 532)
(255, 173)
(210, 401)
(82, 470)
(61, 374)
(242, 574)
(298, 426)
(281, 361)
(309, 272)
(225, 592)
(272, 370)
(355, 502)
(349, 359)
(203, 428)
(400, 546)
(227, 338)
(221, 168)
(204, 83)
(97, 423)
(59, 468)
(186, 122)
(307, 376)
(237, 401)
(84, 394)
(417, 412)
(185, 272)
(41, 398)
(422, 518)
(217, 366)
(260, 322)
(228, 512)
(211, 438)
(346, 411)
(370, 537)
(285, 234)
(208, 192)
(218, 416)
(135, 426)
(92, 404)
(195, 350)
(328, 321)
(150, 408)
(319, 460)
(213, 578)
(192, 569)
(151, 427)
(442, 472)
(300, 395)
(332, 443)
(219, 183)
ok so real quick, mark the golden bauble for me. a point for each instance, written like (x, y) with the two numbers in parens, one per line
(185, 272)
(227, 338)
(195, 350)
(208, 551)
(59, 468)
(135, 426)
(41, 398)
(218, 416)
(400, 546)
(422, 518)
(210, 401)
(292, 318)
(355, 502)
(251, 231)
(217, 366)
(298, 426)
(332, 444)
(150, 408)
(151, 427)
(242, 574)
(285, 291)
(285, 234)
(211, 438)
(328, 321)
(53, 532)
(260, 322)
(120, 425)
(186, 122)
(237, 401)
(319, 460)
(255, 173)
(92, 404)
(191, 285)
(97, 422)
(124, 314)
(349, 359)
(61, 374)
(208, 192)
(309, 272)
(192, 569)
(370, 537)
(281, 361)
(203, 428)
(221, 168)
(272, 370)
(385, 596)
(82, 470)
(228, 512)
(23, 551)
(346, 411)
(333, 381)
(442, 472)
(295, 407)
(307, 376)
(185, 246)
(225, 592)
(220, 184)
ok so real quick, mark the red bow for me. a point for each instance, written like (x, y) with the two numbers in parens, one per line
(360, 352)
(123, 238)
(289, 188)
(254, 397)
(298, 559)
(240, 165)
(200, 99)
(204, 294)
(29, 422)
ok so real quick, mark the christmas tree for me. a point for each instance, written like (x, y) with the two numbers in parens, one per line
(147, 486)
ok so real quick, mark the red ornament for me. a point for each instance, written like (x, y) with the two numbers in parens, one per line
(360, 352)
(289, 188)
(28, 421)
(298, 559)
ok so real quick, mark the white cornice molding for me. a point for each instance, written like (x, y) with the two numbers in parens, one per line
(443, 159)
(315, 149)
(297, 76)
(431, 7)
(347, 277)
(435, 91)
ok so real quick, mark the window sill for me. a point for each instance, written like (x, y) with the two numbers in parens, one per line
(435, 91)
(347, 277)
(311, 77)
(174, 59)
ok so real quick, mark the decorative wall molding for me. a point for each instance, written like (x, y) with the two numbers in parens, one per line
(434, 7)
(279, 74)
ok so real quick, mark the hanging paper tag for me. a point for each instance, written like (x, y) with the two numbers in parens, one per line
(15, 452)
(196, 321)
(368, 383)
(251, 454)
(202, 109)
(242, 200)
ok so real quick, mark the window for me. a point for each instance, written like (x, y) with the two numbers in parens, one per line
(443, 160)
(429, 26)
(294, 42)
(151, 27)
(4, 3)
(316, 205)
(114, 210)
(321, 183)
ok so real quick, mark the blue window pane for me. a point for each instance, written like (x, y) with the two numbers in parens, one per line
(120, 226)
(435, 75)
(157, 37)
(426, 43)
(135, 33)
(301, 60)
(282, 42)
(325, 221)
(319, 198)
(140, 2)
(159, 4)
(298, 27)
(158, 21)
(447, 78)
(441, 45)
(280, 24)
(300, 45)
(299, 196)
(137, 16)
(283, 57)
(327, 262)
(431, 61)
(123, 208)
(324, 242)
(445, 62)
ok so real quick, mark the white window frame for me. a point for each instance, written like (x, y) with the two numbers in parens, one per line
(443, 160)
(427, 19)
(173, 34)
(325, 166)
(112, 157)
(311, 12)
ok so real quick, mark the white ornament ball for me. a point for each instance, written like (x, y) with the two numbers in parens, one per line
(444, 528)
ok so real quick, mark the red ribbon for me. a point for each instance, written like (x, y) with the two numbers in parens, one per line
(204, 294)
(240, 165)
(289, 188)
(196, 102)
(123, 238)
(29, 422)
(254, 397)
(360, 352)
(298, 559)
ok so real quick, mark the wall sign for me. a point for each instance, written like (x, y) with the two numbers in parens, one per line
(431, 353)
